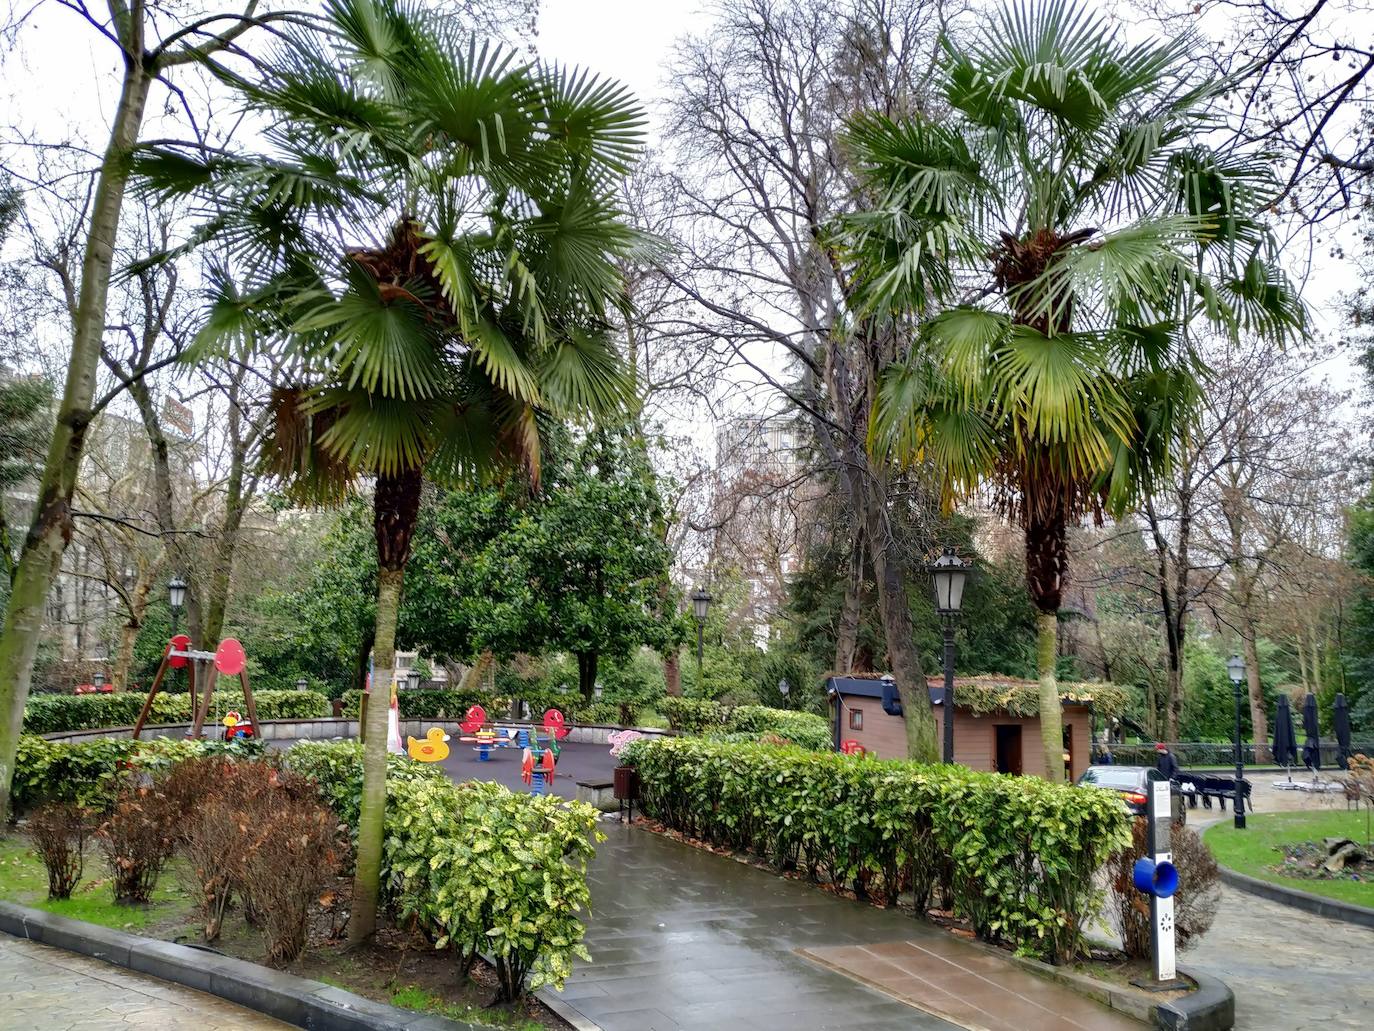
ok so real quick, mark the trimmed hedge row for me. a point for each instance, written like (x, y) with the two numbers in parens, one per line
(704, 716)
(480, 868)
(86, 772)
(452, 705)
(54, 714)
(1014, 855)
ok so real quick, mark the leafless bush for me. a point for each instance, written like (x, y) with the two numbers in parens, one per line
(59, 831)
(220, 804)
(1195, 902)
(137, 840)
(209, 842)
(288, 853)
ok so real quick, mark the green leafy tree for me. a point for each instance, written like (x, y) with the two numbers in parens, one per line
(577, 566)
(431, 230)
(1072, 186)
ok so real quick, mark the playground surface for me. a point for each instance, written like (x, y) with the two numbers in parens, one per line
(576, 761)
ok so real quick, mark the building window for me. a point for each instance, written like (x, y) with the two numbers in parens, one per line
(856, 719)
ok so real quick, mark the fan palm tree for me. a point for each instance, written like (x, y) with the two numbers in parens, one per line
(1056, 236)
(429, 232)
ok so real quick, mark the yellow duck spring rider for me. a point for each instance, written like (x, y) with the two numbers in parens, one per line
(432, 749)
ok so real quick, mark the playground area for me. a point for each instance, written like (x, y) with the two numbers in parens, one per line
(577, 761)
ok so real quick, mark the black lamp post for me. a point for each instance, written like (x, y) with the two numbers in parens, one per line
(949, 572)
(302, 684)
(176, 593)
(1235, 666)
(413, 679)
(701, 605)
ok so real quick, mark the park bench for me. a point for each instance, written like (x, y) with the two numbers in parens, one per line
(1208, 786)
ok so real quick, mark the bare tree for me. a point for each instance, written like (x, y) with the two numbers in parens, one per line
(759, 175)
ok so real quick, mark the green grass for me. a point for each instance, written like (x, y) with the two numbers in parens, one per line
(1254, 851)
(417, 998)
(24, 880)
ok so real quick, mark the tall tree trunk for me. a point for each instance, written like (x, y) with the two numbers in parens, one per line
(472, 679)
(51, 529)
(847, 630)
(586, 673)
(672, 671)
(1046, 566)
(1259, 719)
(128, 634)
(180, 555)
(396, 508)
(222, 565)
(895, 608)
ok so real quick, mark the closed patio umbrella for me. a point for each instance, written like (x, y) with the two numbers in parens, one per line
(1285, 744)
(1311, 748)
(1340, 723)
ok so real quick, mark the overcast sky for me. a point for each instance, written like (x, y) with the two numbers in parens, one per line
(66, 75)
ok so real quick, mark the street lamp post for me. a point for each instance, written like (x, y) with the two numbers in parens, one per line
(1235, 666)
(701, 605)
(413, 680)
(176, 594)
(302, 684)
(949, 573)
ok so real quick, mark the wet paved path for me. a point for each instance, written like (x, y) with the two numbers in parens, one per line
(48, 989)
(682, 938)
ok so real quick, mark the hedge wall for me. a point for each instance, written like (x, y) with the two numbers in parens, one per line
(703, 716)
(479, 867)
(1014, 855)
(451, 705)
(53, 714)
(84, 772)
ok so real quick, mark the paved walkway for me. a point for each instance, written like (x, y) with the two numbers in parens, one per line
(48, 989)
(682, 938)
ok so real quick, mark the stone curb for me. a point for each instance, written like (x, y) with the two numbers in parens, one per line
(1319, 905)
(290, 999)
(1212, 1007)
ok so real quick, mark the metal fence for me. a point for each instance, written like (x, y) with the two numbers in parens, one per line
(1212, 753)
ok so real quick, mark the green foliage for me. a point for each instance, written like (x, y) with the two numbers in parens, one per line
(478, 867)
(579, 567)
(693, 715)
(87, 772)
(803, 729)
(804, 684)
(53, 714)
(1015, 855)
(1358, 650)
(427, 705)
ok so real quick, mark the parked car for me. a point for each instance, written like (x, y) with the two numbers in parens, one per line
(1133, 784)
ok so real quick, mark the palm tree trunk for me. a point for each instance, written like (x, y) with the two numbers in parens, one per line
(1051, 725)
(52, 522)
(1046, 565)
(672, 671)
(396, 508)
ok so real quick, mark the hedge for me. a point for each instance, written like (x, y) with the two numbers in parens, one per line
(480, 868)
(85, 772)
(452, 705)
(1016, 856)
(54, 714)
(693, 715)
(801, 728)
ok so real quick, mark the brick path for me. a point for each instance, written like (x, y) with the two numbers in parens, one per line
(48, 989)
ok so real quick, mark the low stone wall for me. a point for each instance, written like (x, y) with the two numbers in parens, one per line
(336, 729)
